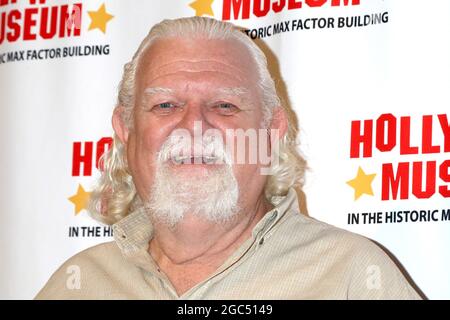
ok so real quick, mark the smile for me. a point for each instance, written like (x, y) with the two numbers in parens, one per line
(194, 160)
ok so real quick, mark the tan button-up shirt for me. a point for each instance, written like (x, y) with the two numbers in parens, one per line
(289, 256)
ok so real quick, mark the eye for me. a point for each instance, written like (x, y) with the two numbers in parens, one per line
(226, 108)
(163, 108)
(165, 105)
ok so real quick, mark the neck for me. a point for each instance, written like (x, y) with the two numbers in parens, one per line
(201, 246)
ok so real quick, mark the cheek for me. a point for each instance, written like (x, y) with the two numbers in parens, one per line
(147, 144)
(142, 149)
(249, 177)
(143, 145)
(251, 120)
(249, 147)
(150, 135)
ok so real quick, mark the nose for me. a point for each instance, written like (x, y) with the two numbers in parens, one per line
(194, 119)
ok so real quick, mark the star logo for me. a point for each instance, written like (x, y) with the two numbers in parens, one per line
(202, 7)
(80, 199)
(99, 19)
(362, 183)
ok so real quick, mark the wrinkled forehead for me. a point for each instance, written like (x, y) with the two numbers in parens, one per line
(227, 57)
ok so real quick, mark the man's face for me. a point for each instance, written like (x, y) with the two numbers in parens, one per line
(181, 83)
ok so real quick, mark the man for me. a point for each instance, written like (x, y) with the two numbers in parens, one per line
(197, 213)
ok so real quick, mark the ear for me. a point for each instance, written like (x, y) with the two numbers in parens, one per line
(119, 125)
(279, 121)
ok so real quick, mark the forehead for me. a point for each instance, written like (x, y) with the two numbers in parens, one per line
(221, 61)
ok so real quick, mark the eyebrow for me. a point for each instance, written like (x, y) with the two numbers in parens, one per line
(156, 90)
(235, 91)
(240, 92)
(151, 91)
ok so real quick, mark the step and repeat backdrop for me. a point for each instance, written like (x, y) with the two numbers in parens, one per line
(368, 79)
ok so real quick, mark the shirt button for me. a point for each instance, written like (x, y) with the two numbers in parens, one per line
(261, 242)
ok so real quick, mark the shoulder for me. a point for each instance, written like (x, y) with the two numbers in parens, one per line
(317, 235)
(367, 269)
(99, 256)
(85, 272)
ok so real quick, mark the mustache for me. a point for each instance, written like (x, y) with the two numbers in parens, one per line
(180, 150)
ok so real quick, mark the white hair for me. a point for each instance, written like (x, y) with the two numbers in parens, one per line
(212, 196)
(115, 194)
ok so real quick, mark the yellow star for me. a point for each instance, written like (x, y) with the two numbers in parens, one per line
(80, 199)
(99, 18)
(202, 7)
(362, 183)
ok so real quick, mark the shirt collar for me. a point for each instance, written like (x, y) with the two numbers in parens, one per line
(285, 205)
(133, 233)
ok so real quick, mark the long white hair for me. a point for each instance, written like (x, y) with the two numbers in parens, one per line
(115, 194)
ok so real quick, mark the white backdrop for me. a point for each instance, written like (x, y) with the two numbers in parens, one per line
(334, 76)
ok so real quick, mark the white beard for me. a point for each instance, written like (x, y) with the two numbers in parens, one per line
(212, 196)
